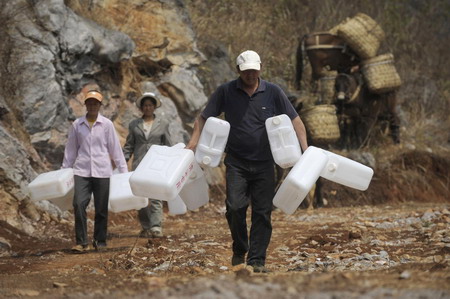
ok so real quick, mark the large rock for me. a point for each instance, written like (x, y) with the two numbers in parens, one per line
(216, 70)
(184, 87)
(52, 52)
(15, 172)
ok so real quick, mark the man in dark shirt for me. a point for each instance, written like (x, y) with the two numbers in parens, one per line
(246, 103)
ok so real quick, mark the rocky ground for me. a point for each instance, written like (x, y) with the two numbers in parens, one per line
(381, 251)
(390, 241)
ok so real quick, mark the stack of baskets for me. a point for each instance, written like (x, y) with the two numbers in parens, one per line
(364, 36)
(321, 123)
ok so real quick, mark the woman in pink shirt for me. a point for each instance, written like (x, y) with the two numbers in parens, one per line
(91, 146)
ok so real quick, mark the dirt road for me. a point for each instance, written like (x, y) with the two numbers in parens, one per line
(400, 251)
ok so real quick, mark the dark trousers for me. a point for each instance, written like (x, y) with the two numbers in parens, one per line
(84, 188)
(250, 182)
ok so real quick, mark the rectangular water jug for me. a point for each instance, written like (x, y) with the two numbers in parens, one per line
(162, 173)
(212, 142)
(120, 196)
(347, 172)
(283, 140)
(65, 202)
(53, 184)
(195, 191)
(300, 180)
(177, 206)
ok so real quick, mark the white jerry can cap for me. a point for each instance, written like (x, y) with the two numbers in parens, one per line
(206, 160)
(332, 167)
(276, 120)
(193, 175)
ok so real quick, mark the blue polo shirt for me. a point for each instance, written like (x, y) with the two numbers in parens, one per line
(247, 115)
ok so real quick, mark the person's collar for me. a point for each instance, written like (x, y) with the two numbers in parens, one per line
(261, 86)
(154, 117)
(84, 119)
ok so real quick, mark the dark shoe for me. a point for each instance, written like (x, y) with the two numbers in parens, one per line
(80, 248)
(145, 233)
(99, 244)
(237, 259)
(258, 268)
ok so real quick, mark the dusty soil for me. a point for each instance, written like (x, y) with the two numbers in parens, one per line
(377, 248)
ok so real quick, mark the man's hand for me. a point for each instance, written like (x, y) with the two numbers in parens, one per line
(198, 127)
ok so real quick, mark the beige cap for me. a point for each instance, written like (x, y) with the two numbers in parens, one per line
(248, 60)
(93, 94)
(150, 95)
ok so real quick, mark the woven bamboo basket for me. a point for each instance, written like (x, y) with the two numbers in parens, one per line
(321, 123)
(308, 98)
(362, 34)
(380, 73)
(334, 30)
(326, 87)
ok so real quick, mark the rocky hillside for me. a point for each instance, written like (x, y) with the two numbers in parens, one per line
(52, 51)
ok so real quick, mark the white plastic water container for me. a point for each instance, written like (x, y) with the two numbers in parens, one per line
(317, 162)
(65, 202)
(300, 180)
(162, 173)
(55, 184)
(120, 196)
(283, 141)
(212, 142)
(177, 206)
(347, 172)
(195, 192)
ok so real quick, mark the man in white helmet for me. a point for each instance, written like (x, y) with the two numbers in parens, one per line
(247, 102)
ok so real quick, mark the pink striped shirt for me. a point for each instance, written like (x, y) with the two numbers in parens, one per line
(89, 151)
